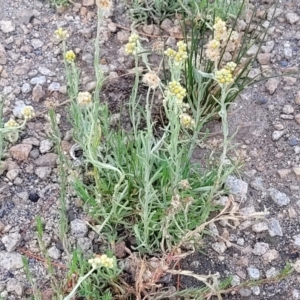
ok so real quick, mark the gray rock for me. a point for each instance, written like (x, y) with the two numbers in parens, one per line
(260, 248)
(219, 247)
(268, 47)
(237, 187)
(10, 261)
(45, 146)
(292, 18)
(296, 266)
(43, 172)
(272, 272)
(273, 12)
(26, 88)
(167, 25)
(274, 227)
(288, 109)
(38, 80)
(79, 228)
(296, 294)
(123, 36)
(245, 292)
(47, 160)
(260, 227)
(286, 117)
(288, 52)
(297, 240)
(17, 111)
(84, 244)
(236, 280)
(20, 152)
(297, 98)
(272, 85)
(38, 93)
(54, 86)
(88, 2)
(31, 141)
(7, 26)
(35, 153)
(36, 43)
(276, 135)
(23, 196)
(253, 273)
(14, 286)
(257, 184)
(252, 50)
(255, 290)
(46, 72)
(11, 241)
(264, 58)
(54, 253)
(3, 58)
(12, 174)
(278, 197)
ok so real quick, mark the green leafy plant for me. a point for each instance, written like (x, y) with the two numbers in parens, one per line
(158, 10)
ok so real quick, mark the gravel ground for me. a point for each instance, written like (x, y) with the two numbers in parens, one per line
(267, 115)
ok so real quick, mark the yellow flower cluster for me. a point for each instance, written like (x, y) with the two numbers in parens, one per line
(179, 55)
(224, 76)
(187, 121)
(28, 112)
(84, 98)
(61, 34)
(11, 124)
(177, 90)
(70, 56)
(102, 261)
(230, 66)
(130, 48)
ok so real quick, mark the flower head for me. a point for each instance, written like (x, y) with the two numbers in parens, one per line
(170, 52)
(104, 4)
(61, 34)
(179, 55)
(84, 98)
(220, 30)
(230, 66)
(224, 76)
(213, 50)
(151, 79)
(28, 112)
(102, 261)
(70, 56)
(177, 90)
(11, 124)
(184, 184)
(130, 47)
(187, 121)
(234, 36)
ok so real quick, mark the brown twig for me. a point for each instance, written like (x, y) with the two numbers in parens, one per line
(31, 255)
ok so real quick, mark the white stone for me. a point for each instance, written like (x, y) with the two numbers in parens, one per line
(7, 26)
(54, 253)
(11, 241)
(260, 248)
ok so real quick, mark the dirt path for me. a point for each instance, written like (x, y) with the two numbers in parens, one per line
(32, 73)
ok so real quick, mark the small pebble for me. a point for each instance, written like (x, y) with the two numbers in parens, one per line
(33, 197)
(293, 142)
